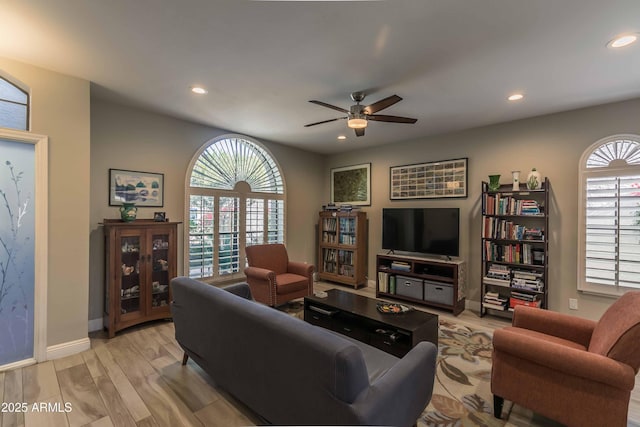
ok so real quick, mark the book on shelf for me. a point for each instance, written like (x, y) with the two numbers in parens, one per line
(502, 204)
(392, 284)
(513, 302)
(497, 282)
(495, 301)
(402, 266)
(383, 281)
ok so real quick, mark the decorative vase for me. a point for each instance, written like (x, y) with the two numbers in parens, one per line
(534, 180)
(516, 180)
(494, 182)
(128, 212)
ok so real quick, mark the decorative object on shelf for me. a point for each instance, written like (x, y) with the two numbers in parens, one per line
(446, 178)
(494, 182)
(534, 180)
(128, 212)
(351, 185)
(516, 180)
(141, 188)
(159, 216)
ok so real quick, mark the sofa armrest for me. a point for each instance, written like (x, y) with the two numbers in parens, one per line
(240, 289)
(571, 361)
(401, 394)
(559, 325)
(260, 274)
(300, 268)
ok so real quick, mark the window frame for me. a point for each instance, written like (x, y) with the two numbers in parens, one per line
(27, 104)
(243, 195)
(613, 169)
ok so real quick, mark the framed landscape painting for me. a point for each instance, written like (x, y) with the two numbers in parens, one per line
(351, 185)
(139, 188)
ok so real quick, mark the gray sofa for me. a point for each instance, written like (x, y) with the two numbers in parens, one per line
(291, 372)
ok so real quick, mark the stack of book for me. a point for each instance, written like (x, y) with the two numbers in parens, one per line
(499, 275)
(520, 298)
(495, 301)
(529, 280)
(528, 207)
(533, 234)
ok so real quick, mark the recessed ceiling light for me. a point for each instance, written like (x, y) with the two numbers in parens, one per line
(622, 41)
(199, 90)
(341, 137)
(515, 97)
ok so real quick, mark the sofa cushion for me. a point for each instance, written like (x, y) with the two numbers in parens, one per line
(618, 331)
(377, 361)
(287, 283)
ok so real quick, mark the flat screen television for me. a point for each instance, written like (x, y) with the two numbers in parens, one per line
(433, 231)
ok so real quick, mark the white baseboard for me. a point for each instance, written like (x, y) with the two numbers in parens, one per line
(472, 305)
(95, 324)
(65, 349)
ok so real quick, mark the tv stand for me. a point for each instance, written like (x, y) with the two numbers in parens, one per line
(430, 282)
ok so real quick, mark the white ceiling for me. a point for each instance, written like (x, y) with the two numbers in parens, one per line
(453, 61)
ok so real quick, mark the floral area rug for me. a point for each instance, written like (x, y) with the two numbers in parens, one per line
(462, 387)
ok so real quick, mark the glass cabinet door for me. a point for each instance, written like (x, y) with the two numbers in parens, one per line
(160, 270)
(130, 248)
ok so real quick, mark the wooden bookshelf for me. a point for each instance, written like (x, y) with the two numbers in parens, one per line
(342, 248)
(515, 248)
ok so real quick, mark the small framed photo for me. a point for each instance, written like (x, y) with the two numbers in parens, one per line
(159, 216)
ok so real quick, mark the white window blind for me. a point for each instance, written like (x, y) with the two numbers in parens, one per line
(613, 231)
(609, 239)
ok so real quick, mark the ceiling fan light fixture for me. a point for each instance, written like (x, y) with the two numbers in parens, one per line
(357, 121)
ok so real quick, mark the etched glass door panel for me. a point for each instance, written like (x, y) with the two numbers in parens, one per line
(17, 259)
(130, 275)
(160, 270)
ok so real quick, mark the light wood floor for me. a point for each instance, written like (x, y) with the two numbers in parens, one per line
(136, 379)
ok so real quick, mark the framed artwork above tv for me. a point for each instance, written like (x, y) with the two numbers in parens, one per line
(442, 179)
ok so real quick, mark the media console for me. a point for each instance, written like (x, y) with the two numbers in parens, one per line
(425, 281)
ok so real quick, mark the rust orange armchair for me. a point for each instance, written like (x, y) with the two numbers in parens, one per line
(274, 279)
(575, 371)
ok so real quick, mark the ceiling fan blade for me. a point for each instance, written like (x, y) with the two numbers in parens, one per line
(333, 107)
(382, 104)
(359, 132)
(324, 121)
(391, 119)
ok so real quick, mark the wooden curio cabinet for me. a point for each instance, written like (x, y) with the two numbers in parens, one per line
(140, 261)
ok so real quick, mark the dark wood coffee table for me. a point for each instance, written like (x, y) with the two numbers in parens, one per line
(358, 317)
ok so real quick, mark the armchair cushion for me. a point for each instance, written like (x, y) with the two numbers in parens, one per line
(272, 257)
(617, 334)
(287, 283)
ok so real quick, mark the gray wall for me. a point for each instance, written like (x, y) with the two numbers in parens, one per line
(60, 110)
(552, 143)
(129, 138)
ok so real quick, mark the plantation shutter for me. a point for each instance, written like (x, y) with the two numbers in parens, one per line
(613, 231)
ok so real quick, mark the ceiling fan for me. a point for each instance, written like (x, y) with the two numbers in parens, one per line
(358, 115)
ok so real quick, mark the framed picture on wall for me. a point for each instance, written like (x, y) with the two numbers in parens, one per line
(351, 185)
(443, 179)
(140, 188)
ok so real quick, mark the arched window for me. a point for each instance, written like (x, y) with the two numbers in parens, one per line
(14, 106)
(609, 226)
(236, 199)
